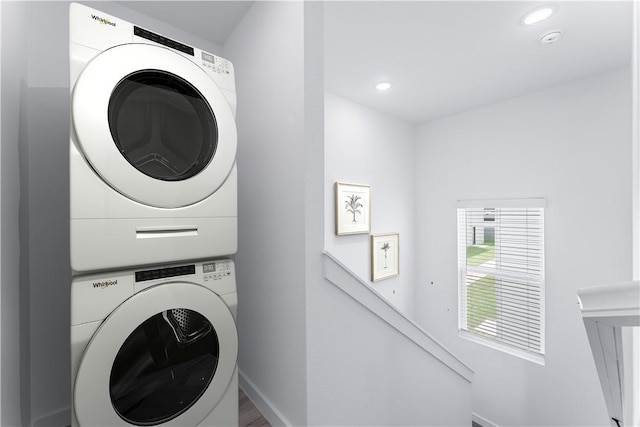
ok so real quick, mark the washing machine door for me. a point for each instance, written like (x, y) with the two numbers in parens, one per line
(153, 125)
(164, 357)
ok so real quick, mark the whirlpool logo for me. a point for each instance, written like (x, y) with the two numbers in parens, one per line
(105, 284)
(103, 20)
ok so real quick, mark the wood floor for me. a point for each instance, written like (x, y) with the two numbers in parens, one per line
(249, 414)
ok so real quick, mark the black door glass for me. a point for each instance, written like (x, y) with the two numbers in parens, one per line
(162, 125)
(163, 367)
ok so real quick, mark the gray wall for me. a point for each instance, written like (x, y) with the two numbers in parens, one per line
(13, 111)
(572, 145)
(45, 275)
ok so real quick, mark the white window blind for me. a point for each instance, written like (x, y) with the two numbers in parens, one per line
(501, 274)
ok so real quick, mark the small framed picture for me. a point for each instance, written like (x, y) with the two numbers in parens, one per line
(385, 256)
(353, 208)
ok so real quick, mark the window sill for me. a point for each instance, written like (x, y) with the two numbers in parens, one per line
(531, 357)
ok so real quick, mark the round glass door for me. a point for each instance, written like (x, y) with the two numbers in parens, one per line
(165, 356)
(154, 126)
(163, 367)
(162, 125)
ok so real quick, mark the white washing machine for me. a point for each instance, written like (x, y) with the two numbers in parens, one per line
(152, 147)
(155, 347)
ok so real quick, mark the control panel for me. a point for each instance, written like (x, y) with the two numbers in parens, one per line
(163, 273)
(216, 270)
(215, 274)
(165, 41)
(215, 63)
(208, 61)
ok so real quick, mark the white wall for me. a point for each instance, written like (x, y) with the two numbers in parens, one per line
(633, 338)
(0, 221)
(367, 147)
(572, 145)
(35, 204)
(362, 372)
(635, 64)
(266, 49)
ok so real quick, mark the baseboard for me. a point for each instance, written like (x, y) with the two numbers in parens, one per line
(62, 418)
(264, 405)
(482, 421)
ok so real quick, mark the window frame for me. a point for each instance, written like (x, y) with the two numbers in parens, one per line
(462, 243)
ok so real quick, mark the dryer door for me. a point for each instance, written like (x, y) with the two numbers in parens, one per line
(154, 125)
(164, 356)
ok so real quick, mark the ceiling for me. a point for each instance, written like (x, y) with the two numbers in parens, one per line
(445, 57)
(442, 57)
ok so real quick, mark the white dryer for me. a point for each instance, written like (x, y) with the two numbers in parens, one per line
(152, 147)
(155, 347)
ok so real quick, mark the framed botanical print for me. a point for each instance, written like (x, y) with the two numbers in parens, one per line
(353, 208)
(385, 256)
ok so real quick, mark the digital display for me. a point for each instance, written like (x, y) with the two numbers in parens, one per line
(209, 268)
(209, 58)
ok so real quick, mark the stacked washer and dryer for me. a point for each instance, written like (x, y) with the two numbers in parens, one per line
(153, 227)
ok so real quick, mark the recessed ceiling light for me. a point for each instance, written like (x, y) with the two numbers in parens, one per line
(382, 86)
(551, 37)
(537, 15)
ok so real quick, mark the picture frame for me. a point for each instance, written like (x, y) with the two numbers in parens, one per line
(385, 256)
(352, 208)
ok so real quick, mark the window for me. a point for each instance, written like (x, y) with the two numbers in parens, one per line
(501, 275)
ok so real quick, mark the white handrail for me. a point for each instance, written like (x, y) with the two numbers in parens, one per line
(339, 275)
